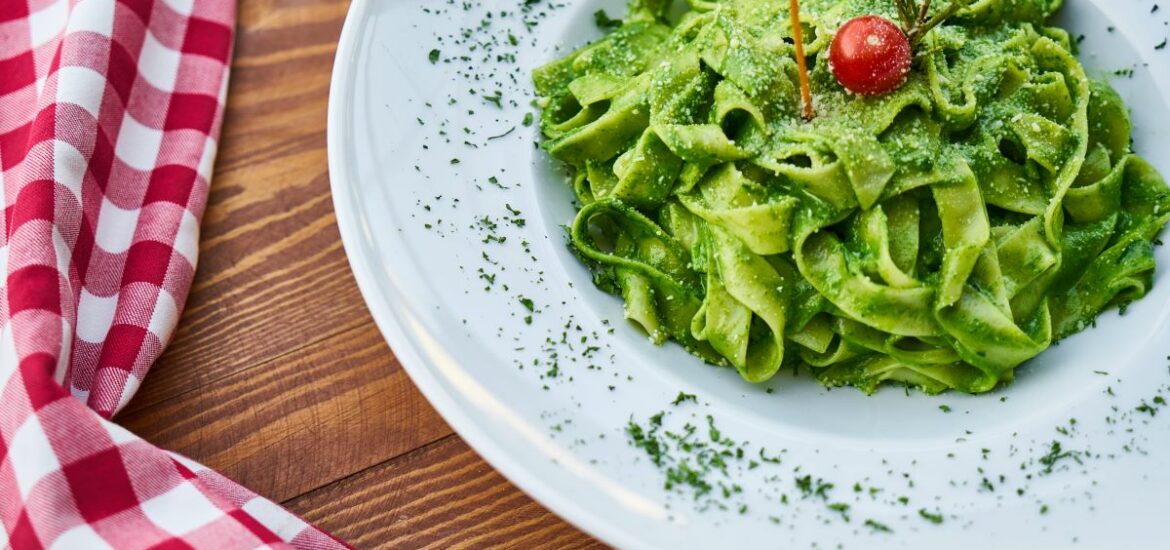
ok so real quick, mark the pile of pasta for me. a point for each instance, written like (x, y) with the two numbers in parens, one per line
(938, 236)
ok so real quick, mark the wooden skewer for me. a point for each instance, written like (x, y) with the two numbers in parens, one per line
(801, 63)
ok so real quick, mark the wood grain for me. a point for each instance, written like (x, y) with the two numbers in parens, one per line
(300, 420)
(277, 376)
(442, 496)
(269, 225)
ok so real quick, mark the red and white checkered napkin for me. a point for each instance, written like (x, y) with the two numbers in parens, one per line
(109, 112)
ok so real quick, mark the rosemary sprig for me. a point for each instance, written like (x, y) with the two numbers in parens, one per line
(916, 20)
(904, 13)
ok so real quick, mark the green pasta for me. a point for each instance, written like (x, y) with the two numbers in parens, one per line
(937, 236)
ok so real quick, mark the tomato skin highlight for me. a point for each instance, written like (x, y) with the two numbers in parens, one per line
(870, 56)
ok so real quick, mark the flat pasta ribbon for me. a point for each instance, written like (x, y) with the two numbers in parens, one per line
(938, 236)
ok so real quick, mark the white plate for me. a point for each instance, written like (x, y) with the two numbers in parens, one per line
(411, 222)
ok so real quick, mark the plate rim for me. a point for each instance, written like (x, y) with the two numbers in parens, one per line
(391, 326)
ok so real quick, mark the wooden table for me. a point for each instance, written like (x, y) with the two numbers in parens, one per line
(278, 377)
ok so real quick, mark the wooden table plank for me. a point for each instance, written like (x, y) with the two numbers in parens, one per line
(277, 376)
(440, 496)
(300, 421)
(272, 275)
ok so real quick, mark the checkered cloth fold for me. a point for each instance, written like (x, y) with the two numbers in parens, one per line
(109, 115)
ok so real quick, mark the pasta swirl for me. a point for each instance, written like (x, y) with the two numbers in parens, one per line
(938, 236)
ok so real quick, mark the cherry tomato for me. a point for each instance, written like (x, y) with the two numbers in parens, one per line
(870, 55)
